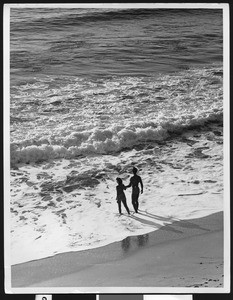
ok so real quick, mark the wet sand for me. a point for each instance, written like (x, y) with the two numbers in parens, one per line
(186, 253)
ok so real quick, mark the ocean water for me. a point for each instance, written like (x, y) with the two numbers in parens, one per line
(94, 80)
(94, 91)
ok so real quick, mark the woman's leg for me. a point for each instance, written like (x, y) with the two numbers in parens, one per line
(126, 206)
(119, 206)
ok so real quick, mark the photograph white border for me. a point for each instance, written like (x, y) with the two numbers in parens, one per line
(226, 123)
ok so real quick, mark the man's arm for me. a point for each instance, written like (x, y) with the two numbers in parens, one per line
(140, 180)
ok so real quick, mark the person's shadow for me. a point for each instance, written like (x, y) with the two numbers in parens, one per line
(155, 225)
(175, 221)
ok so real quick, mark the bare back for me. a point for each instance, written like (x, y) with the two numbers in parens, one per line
(135, 180)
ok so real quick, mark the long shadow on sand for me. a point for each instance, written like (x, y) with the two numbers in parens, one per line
(154, 224)
(175, 221)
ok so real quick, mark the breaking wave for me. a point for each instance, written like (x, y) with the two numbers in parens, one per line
(106, 141)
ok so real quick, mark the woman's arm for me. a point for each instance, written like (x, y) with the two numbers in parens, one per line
(129, 185)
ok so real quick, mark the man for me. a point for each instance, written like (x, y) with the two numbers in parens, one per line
(134, 182)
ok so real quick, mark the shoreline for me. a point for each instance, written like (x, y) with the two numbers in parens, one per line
(186, 253)
(178, 176)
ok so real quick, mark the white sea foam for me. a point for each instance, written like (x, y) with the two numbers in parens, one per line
(101, 117)
(104, 141)
(78, 135)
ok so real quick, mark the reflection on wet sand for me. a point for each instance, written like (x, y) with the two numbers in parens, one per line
(142, 240)
(134, 242)
(125, 244)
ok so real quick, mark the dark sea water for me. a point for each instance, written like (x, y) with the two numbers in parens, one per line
(107, 42)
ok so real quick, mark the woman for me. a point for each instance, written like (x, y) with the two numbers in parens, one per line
(121, 195)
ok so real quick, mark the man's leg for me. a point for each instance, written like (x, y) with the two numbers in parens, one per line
(137, 204)
(135, 201)
(134, 204)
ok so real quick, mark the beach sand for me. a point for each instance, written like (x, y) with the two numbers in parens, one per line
(186, 253)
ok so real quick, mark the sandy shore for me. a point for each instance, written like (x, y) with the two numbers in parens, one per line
(187, 253)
